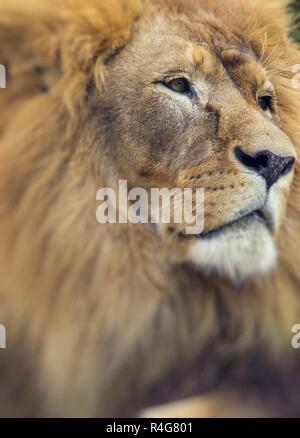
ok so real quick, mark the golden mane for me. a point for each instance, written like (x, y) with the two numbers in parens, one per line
(53, 257)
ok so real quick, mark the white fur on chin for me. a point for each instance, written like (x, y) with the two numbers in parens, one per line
(239, 253)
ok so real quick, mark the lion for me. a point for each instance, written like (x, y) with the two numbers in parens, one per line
(111, 319)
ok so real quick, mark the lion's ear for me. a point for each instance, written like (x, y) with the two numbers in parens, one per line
(44, 40)
(28, 45)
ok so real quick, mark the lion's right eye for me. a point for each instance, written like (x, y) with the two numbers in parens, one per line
(179, 85)
(265, 102)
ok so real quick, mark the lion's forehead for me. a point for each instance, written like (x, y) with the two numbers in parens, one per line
(196, 46)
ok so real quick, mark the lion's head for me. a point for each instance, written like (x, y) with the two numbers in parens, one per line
(190, 104)
(177, 100)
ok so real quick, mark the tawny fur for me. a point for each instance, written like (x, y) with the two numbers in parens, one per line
(103, 321)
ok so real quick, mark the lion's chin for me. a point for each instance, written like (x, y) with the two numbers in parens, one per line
(240, 252)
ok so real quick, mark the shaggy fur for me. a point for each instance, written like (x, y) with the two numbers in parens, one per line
(104, 321)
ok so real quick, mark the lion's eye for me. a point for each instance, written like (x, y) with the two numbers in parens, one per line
(266, 102)
(179, 85)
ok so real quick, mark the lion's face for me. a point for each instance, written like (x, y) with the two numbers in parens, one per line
(194, 108)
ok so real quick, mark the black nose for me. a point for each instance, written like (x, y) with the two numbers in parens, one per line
(268, 165)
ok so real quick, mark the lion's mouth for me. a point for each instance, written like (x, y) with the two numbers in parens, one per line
(242, 222)
(261, 216)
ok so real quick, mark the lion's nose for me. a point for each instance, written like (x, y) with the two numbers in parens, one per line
(266, 164)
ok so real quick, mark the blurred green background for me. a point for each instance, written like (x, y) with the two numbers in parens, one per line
(296, 10)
